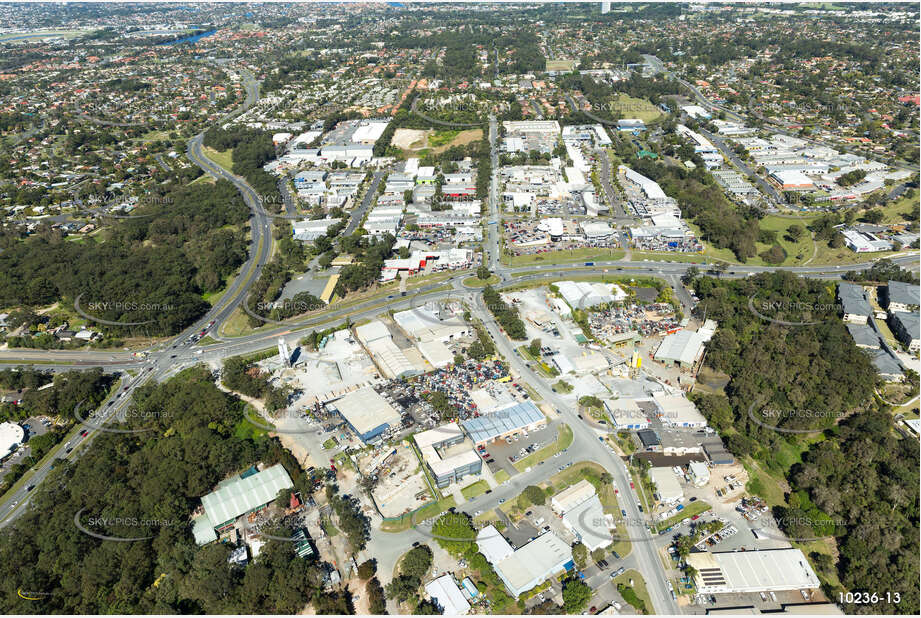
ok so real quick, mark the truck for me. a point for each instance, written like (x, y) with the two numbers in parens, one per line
(589, 263)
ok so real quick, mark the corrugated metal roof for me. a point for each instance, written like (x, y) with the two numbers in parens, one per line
(241, 495)
(516, 416)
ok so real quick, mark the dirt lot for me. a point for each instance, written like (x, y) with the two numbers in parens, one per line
(463, 138)
(410, 139)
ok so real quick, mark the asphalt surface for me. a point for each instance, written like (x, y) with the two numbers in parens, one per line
(358, 215)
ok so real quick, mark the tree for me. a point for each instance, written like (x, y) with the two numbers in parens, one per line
(454, 532)
(535, 495)
(580, 555)
(402, 587)
(377, 602)
(367, 569)
(534, 348)
(417, 561)
(482, 272)
(576, 595)
(795, 232)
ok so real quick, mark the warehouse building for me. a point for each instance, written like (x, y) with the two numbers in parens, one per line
(367, 413)
(493, 545)
(378, 341)
(752, 571)
(684, 348)
(504, 422)
(791, 180)
(716, 451)
(667, 486)
(572, 496)
(447, 596)
(309, 231)
(589, 524)
(861, 241)
(699, 473)
(626, 414)
(678, 411)
(532, 563)
(243, 494)
(448, 454)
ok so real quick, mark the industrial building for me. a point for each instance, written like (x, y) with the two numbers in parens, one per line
(583, 515)
(447, 596)
(367, 413)
(240, 495)
(626, 414)
(529, 565)
(572, 496)
(752, 571)
(678, 411)
(504, 422)
(11, 436)
(696, 112)
(377, 340)
(699, 473)
(583, 294)
(667, 486)
(309, 231)
(684, 348)
(448, 454)
(860, 241)
(589, 524)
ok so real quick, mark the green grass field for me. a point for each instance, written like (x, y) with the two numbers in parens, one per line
(631, 107)
(472, 491)
(639, 596)
(224, 158)
(558, 257)
(440, 138)
(476, 282)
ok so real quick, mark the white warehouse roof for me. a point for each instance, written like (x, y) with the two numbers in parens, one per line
(365, 409)
(753, 571)
(447, 595)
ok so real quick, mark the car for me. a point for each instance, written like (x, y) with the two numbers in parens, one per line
(83, 433)
(639, 506)
(30, 487)
(68, 450)
(616, 491)
(631, 485)
(477, 513)
(695, 518)
(592, 609)
(415, 543)
(623, 512)
(692, 499)
(501, 500)
(173, 356)
(490, 460)
(580, 416)
(488, 491)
